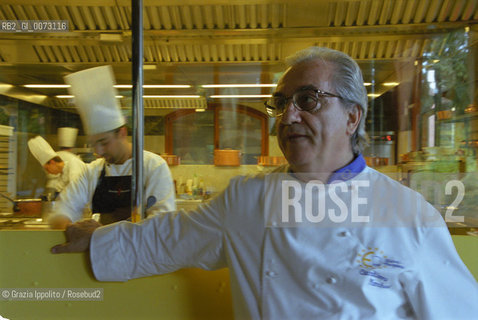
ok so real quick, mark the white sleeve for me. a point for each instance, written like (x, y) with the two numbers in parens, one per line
(441, 287)
(54, 183)
(77, 167)
(76, 196)
(159, 184)
(161, 244)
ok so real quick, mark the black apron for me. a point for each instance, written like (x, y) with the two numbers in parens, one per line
(112, 198)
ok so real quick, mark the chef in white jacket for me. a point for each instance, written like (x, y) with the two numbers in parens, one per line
(357, 246)
(66, 141)
(60, 170)
(106, 184)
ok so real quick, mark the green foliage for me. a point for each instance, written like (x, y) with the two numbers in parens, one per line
(447, 56)
(4, 118)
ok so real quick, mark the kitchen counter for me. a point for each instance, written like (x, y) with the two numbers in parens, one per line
(188, 204)
(14, 223)
(185, 294)
(26, 262)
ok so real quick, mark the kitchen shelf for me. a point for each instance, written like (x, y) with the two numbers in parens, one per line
(8, 163)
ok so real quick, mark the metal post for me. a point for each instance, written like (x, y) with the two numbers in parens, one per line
(137, 174)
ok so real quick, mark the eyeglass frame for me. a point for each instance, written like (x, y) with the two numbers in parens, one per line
(319, 94)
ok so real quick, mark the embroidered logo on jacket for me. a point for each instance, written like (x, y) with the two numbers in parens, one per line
(371, 261)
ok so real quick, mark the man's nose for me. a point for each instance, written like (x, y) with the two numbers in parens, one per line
(291, 113)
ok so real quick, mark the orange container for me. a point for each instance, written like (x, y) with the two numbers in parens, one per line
(28, 208)
(227, 157)
(271, 161)
(376, 161)
(171, 159)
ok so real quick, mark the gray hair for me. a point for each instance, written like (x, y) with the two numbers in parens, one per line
(348, 82)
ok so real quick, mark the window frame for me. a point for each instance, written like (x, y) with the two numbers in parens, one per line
(218, 107)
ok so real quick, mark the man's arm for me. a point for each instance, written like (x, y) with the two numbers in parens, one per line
(77, 167)
(440, 286)
(158, 184)
(73, 199)
(164, 243)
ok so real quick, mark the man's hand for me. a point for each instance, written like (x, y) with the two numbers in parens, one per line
(78, 236)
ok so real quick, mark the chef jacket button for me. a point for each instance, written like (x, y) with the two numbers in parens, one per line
(344, 234)
(331, 280)
(271, 273)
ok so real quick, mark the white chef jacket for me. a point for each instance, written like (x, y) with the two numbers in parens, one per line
(67, 155)
(72, 169)
(403, 269)
(158, 186)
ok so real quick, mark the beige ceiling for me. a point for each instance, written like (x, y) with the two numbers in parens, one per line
(216, 41)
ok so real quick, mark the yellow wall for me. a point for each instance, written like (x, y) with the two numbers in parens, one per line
(25, 262)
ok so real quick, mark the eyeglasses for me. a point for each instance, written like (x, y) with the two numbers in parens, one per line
(309, 100)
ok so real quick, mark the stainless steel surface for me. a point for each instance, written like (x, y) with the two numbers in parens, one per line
(22, 223)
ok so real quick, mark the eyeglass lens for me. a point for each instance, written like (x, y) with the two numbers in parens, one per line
(303, 100)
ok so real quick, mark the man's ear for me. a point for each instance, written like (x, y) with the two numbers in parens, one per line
(123, 132)
(46, 166)
(353, 120)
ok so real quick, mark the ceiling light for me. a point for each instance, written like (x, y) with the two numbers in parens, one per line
(114, 37)
(120, 86)
(149, 67)
(158, 86)
(166, 86)
(68, 96)
(367, 84)
(46, 85)
(219, 96)
(5, 86)
(239, 85)
(172, 97)
(373, 95)
(391, 84)
(200, 110)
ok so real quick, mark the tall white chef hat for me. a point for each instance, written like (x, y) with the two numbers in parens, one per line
(67, 137)
(41, 150)
(95, 99)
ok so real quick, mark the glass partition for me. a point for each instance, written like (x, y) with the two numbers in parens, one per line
(240, 131)
(207, 75)
(193, 137)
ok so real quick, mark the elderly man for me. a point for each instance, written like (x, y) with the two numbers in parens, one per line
(106, 184)
(391, 258)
